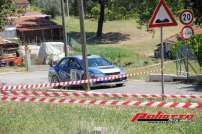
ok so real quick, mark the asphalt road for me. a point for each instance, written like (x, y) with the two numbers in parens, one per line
(132, 86)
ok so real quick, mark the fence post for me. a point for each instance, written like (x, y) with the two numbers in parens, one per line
(27, 58)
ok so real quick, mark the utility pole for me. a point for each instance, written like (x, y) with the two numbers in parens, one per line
(83, 40)
(63, 25)
(67, 7)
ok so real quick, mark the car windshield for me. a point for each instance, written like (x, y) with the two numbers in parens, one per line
(96, 62)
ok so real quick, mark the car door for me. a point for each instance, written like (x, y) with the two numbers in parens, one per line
(63, 70)
(74, 70)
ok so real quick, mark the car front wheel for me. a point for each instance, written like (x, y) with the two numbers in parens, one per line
(54, 79)
(120, 85)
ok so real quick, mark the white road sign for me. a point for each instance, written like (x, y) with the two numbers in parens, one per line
(162, 16)
(186, 17)
(187, 32)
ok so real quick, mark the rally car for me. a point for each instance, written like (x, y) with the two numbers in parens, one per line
(71, 68)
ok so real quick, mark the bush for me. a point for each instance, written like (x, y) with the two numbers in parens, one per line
(176, 47)
(95, 11)
(109, 15)
(113, 11)
(50, 7)
(122, 12)
(195, 44)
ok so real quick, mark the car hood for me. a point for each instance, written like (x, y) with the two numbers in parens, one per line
(104, 69)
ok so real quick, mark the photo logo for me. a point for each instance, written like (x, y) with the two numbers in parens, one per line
(161, 117)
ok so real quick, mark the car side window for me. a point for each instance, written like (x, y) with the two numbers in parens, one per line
(73, 64)
(63, 64)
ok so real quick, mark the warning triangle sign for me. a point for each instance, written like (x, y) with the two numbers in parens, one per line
(162, 16)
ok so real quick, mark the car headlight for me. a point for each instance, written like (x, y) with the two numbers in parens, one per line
(122, 72)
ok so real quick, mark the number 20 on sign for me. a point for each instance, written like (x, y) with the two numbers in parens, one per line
(186, 17)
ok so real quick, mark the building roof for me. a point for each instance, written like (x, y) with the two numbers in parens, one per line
(32, 21)
(39, 28)
(35, 21)
(21, 2)
(35, 14)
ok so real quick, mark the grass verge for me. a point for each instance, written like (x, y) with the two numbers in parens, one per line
(25, 118)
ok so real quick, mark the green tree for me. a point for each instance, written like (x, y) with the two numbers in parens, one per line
(7, 9)
(50, 7)
(195, 44)
(145, 9)
(197, 8)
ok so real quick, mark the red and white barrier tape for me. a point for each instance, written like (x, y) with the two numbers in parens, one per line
(158, 64)
(186, 105)
(69, 83)
(94, 94)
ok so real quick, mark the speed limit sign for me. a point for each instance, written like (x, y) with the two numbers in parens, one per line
(187, 32)
(186, 17)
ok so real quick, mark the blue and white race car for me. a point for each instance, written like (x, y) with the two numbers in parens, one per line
(71, 68)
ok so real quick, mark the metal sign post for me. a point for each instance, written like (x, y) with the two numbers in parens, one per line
(162, 17)
(162, 64)
(187, 60)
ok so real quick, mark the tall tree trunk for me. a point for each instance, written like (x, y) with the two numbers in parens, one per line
(101, 18)
(85, 7)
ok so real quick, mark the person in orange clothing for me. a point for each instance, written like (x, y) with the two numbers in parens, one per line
(18, 61)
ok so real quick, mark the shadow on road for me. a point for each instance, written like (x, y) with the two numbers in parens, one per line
(195, 88)
(92, 88)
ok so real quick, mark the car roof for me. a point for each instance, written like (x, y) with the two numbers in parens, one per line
(89, 57)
